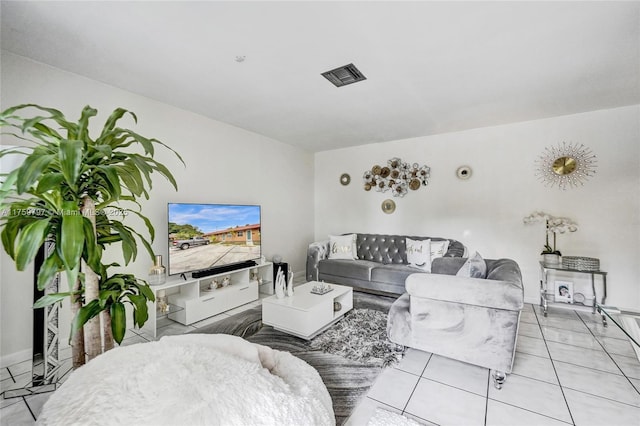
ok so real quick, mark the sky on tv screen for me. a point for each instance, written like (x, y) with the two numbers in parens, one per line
(213, 217)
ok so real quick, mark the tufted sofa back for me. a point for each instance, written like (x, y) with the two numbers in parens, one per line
(392, 248)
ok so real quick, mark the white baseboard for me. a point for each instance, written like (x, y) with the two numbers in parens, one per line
(15, 358)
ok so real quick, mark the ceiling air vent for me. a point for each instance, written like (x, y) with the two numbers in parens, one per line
(344, 75)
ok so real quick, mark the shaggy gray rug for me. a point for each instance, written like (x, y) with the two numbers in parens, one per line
(347, 380)
(360, 336)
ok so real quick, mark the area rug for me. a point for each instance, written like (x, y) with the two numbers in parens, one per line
(360, 336)
(346, 380)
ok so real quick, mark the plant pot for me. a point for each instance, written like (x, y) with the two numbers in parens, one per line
(551, 259)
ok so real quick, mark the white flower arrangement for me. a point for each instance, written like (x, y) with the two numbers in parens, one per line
(555, 225)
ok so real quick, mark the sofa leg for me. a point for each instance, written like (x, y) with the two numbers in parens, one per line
(498, 379)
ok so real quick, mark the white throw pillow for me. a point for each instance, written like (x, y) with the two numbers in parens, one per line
(342, 246)
(439, 248)
(474, 267)
(419, 254)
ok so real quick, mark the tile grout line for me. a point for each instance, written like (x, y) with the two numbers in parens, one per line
(403, 410)
(610, 357)
(553, 365)
(29, 408)
(486, 401)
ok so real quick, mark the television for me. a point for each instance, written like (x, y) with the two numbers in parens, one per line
(205, 239)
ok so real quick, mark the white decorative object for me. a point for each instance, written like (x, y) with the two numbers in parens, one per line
(550, 259)
(280, 284)
(290, 284)
(554, 225)
(157, 273)
(226, 281)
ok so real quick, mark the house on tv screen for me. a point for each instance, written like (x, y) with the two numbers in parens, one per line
(247, 234)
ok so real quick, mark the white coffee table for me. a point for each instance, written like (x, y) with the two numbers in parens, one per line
(305, 314)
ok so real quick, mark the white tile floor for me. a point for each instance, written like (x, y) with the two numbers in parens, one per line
(569, 369)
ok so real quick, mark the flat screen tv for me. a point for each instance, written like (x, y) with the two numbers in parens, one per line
(205, 239)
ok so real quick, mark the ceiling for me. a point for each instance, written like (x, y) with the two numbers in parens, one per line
(431, 67)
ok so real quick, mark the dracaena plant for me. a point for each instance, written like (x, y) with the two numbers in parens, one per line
(76, 191)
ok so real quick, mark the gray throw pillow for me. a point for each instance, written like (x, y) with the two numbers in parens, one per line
(474, 267)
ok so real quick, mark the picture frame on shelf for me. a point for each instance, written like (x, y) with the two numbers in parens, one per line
(563, 291)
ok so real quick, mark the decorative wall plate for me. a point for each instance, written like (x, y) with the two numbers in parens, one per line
(345, 178)
(388, 206)
(463, 172)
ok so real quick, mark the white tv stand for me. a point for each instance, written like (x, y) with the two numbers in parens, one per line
(190, 300)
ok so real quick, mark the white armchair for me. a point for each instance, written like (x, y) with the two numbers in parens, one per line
(469, 319)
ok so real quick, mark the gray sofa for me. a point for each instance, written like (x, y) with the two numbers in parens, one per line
(381, 265)
(474, 320)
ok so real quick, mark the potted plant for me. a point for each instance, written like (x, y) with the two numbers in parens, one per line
(554, 225)
(73, 190)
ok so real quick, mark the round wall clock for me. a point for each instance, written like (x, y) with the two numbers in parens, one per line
(566, 165)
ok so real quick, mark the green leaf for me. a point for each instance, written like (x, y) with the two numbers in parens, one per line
(116, 115)
(118, 321)
(49, 181)
(140, 310)
(83, 123)
(147, 222)
(31, 170)
(166, 173)
(50, 299)
(129, 246)
(110, 176)
(48, 270)
(70, 158)
(85, 313)
(93, 250)
(29, 240)
(72, 236)
(146, 291)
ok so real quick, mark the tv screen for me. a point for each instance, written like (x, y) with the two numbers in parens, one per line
(209, 236)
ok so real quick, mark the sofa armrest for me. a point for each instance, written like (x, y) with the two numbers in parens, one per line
(317, 251)
(494, 292)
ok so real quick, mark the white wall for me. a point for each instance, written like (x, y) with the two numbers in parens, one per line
(225, 164)
(486, 211)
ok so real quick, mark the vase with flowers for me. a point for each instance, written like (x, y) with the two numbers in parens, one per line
(554, 225)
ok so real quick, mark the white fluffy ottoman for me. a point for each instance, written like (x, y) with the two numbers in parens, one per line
(195, 379)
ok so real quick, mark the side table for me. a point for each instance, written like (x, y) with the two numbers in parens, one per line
(547, 294)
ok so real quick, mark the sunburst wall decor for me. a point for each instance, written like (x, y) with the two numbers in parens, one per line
(567, 165)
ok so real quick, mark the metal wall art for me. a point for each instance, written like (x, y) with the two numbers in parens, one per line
(396, 176)
(566, 165)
